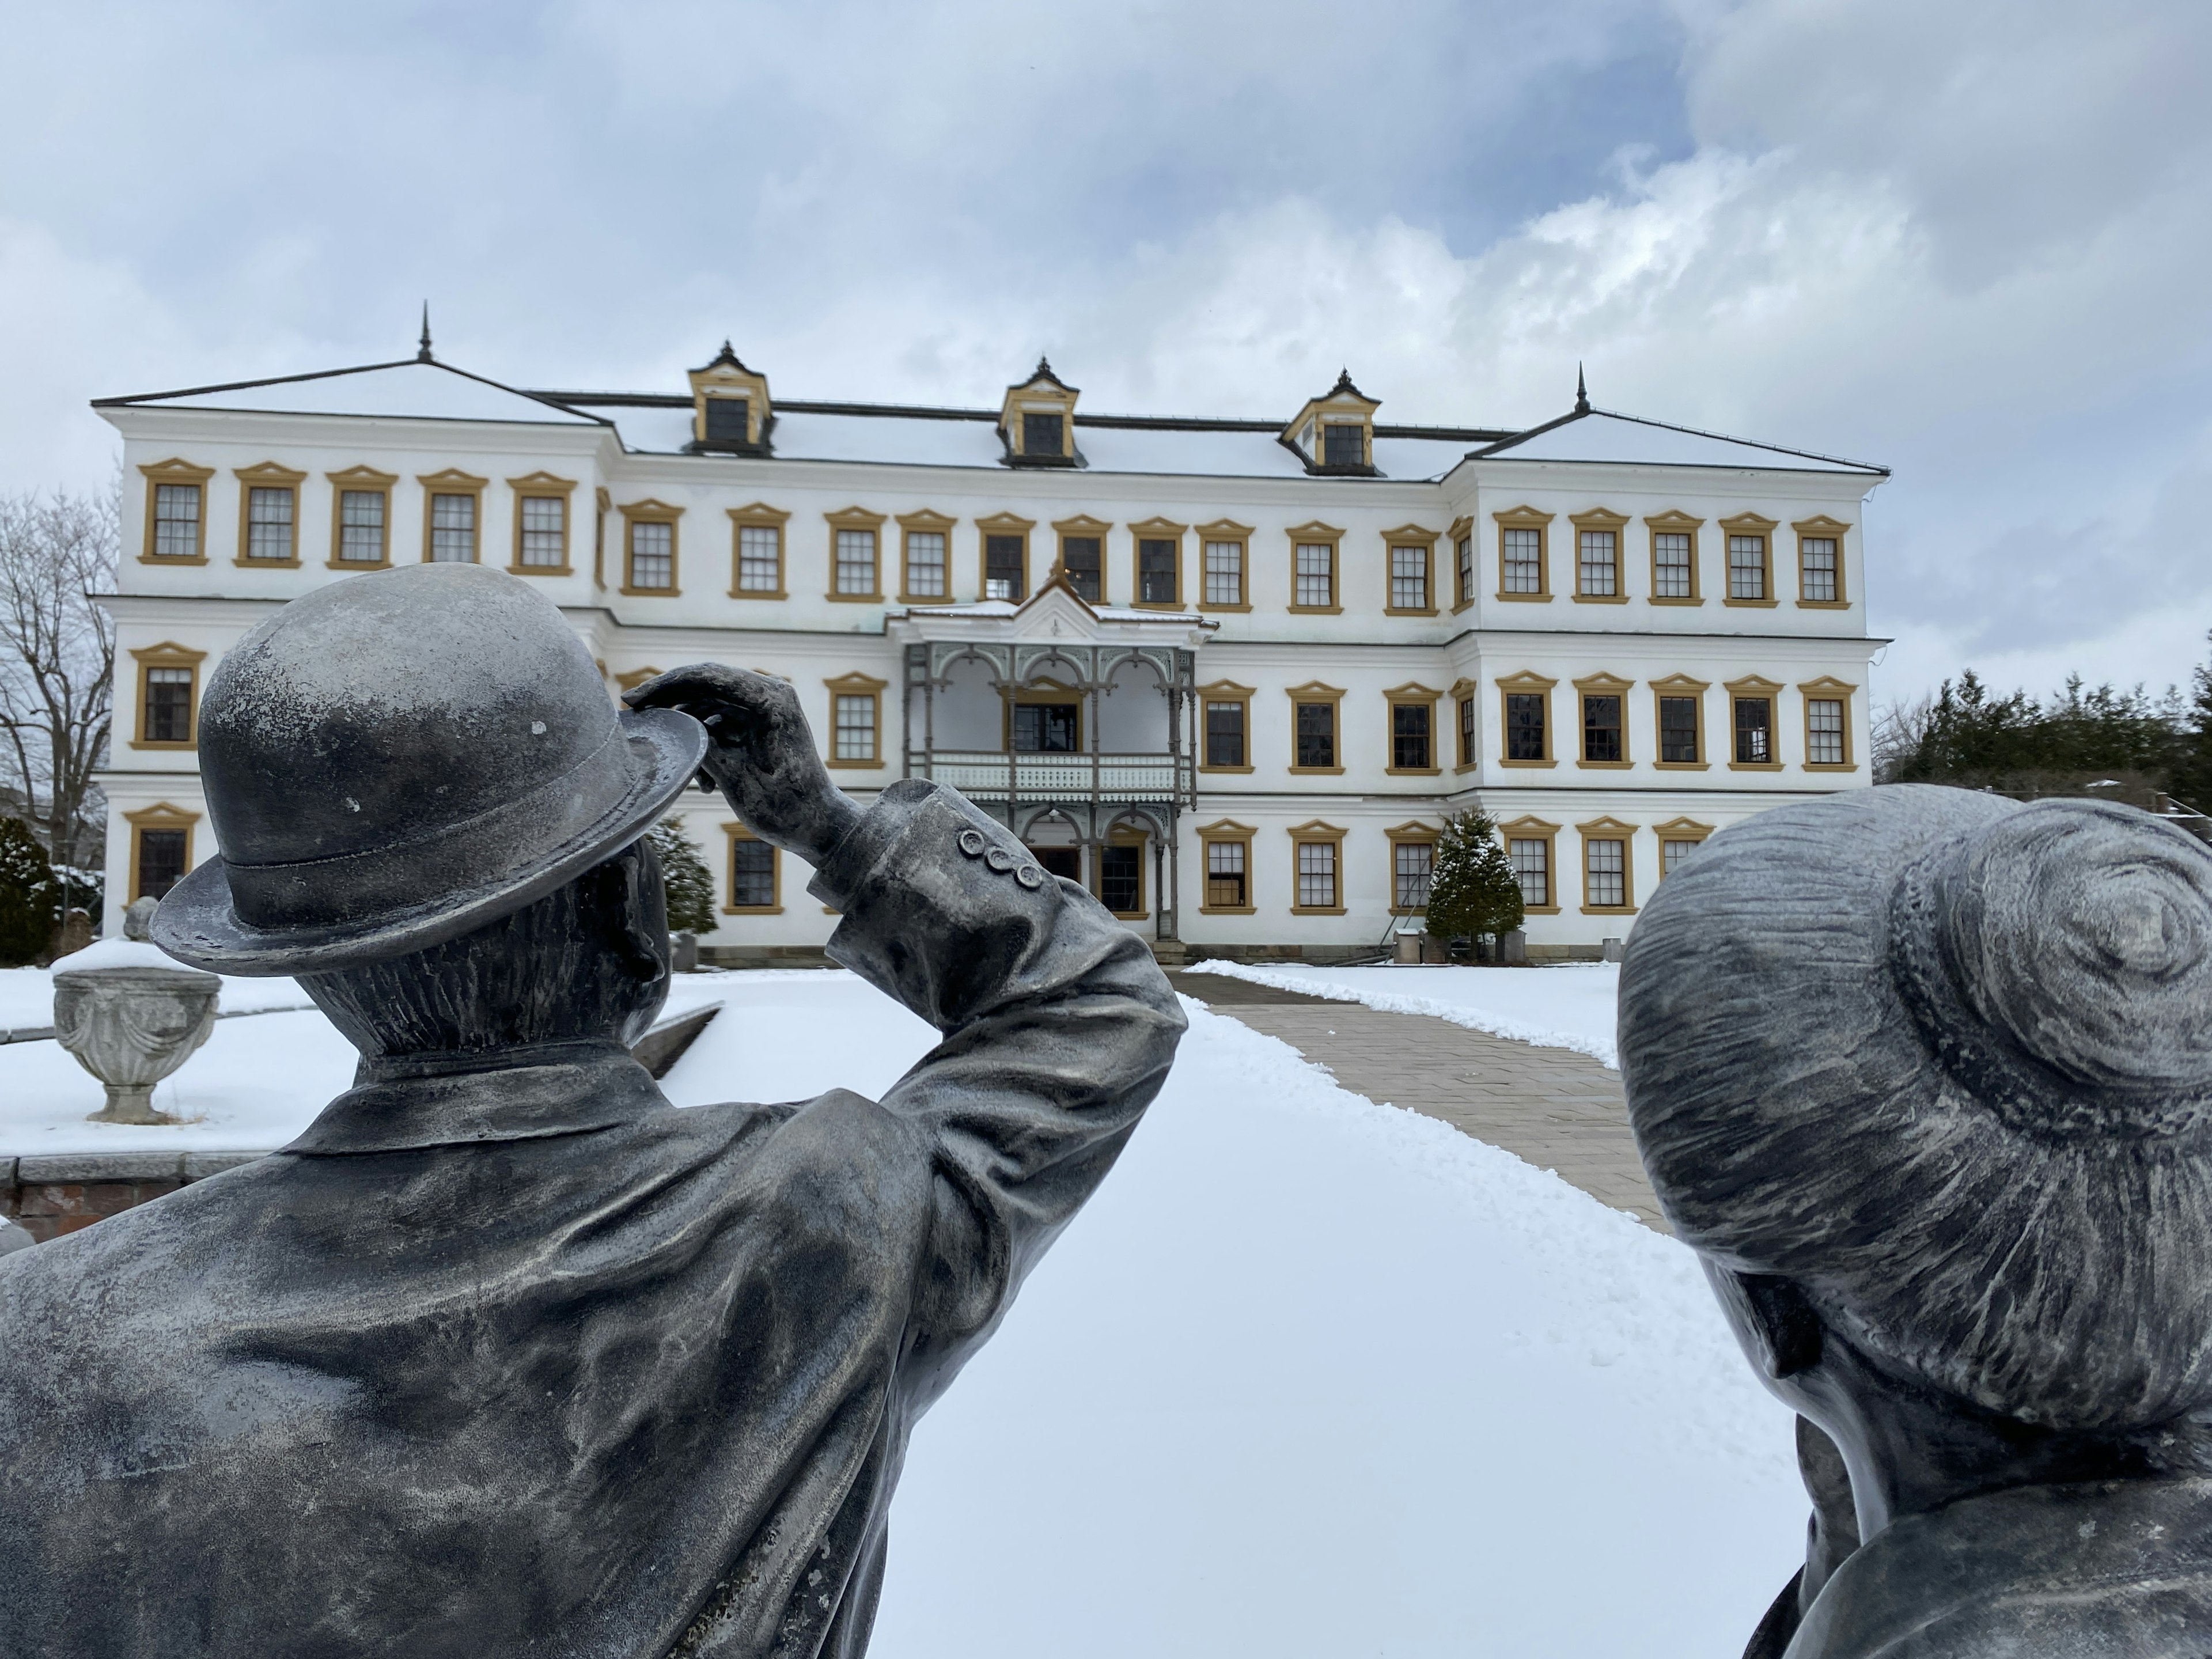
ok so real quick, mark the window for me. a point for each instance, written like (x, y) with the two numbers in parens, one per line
(1816, 558)
(855, 576)
(856, 720)
(929, 565)
(1605, 873)
(760, 557)
(1754, 730)
(1003, 558)
(1747, 566)
(1413, 862)
(544, 532)
(1121, 878)
(652, 555)
(1156, 562)
(176, 520)
(1225, 732)
(1315, 576)
(1678, 839)
(1678, 731)
(1671, 574)
(1315, 736)
(1671, 852)
(1524, 726)
(1316, 875)
(362, 521)
(1048, 728)
(1410, 735)
(1225, 573)
(1599, 572)
(752, 865)
(1824, 731)
(1602, 742)
(162, 859)
(268, 522)
(168, 717)
(1464, 562)
(1409, 578)
(729, 420)
(1081, 561)
(452, 529)
(1040, 434)
(1524, 561)
(1343, 444)
(1467, 719)
(1226, 875)
(1532, 868)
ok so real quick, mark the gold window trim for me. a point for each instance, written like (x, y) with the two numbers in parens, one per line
(542, 486)
(361, 480)
(929, 522)
(1040, 691)
(1828, 689)
(759, 515)
(1679, 685)
(1820, 527)
(168, 654)
(857, 518)
(1315, 691)
(1084, 525)
(1225, 691)
(1675, 522)
(1412, 831)
(1412, 693)
(1527, 517)
(1227, 829)
(732, 834)
(1604, 685)
(1226, 530)
(1601, 518)
(1314, 533)
(1002, 524)
(1042, 393)
(1749, 523)
(266, 475)
(1677, 830)
(175, 471)
(1155, 530)
(1410, 535)
(1528, 827)
(1525, 684)
(1125, 833)
(1314, 832)
(1610, 829)
(160, 816)
(1464, 593)
(1466, 693)
(650, 511)
(452, 481)
(726, 377)
(1755, 685)
(857, 684)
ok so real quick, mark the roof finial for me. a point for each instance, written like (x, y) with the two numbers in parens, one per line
(422, 354)
(1582, 392)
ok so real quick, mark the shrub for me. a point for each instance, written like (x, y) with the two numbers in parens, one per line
(30, 897)
(689, 885)
(1472, 889)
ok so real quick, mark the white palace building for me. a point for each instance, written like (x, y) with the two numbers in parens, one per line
(1229, 674)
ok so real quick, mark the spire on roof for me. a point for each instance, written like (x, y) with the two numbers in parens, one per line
(1582, 392)
(422, 352)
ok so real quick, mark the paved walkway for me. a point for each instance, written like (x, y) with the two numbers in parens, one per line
(1559, 1110)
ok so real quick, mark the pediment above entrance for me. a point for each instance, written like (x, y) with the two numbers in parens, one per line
(1055, 612)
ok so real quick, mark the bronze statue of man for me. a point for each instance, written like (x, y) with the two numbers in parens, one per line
(1925, 1078)
(505, 1354)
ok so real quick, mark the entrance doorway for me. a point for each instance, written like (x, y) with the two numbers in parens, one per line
(1059, 861)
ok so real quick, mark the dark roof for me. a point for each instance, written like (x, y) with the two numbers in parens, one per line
(1504, 448)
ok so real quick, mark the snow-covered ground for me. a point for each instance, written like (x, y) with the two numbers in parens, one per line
(1311, 1377)
(1568, 1006)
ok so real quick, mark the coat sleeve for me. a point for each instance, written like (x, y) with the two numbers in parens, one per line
(1059, 1028)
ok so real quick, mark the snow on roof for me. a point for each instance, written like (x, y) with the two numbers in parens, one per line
(415, 389)
(1600, 436)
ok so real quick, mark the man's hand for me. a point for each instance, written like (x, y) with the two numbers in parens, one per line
(760, 754)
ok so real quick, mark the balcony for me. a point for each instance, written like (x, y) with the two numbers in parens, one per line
(1109, 779)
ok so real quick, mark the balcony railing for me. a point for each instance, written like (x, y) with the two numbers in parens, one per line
(984, 774)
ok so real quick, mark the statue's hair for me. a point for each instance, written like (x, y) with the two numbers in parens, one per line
(574, 964)
(1945, 1062)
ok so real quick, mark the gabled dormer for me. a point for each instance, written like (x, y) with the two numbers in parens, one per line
(1037, 421)
(1335, 433)
(730, 410)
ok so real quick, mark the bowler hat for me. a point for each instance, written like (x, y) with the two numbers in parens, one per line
(400, 757)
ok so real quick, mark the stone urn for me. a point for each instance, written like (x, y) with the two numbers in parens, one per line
(132, 1015)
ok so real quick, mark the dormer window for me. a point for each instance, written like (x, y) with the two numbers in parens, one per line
(1335, 433)
(730, 411)
(1037, 421)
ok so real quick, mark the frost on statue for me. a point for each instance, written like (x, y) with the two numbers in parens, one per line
(504, 1354)
(1925, 1078)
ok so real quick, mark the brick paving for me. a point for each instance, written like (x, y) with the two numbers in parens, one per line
(1559, 1110)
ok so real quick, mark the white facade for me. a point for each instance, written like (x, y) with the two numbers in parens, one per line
(1128, 683)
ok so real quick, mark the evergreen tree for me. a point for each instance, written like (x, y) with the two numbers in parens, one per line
(1472, 887)
(2192, 781)
(689, 885)
(30, 897)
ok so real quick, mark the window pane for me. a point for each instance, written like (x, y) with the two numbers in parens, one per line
(727, 418)
(1678, 729)
(1601, 727)
(1747, 566)
(1002, 567)
(1672, 577)
(1600, 573)
(1343, 445)
(1156, 573)
(1671, 852)
(168, 705)
(1467, 730)
(361, 526)
(1045, 728)
(856, 727)
(1414, 860)
(1824, 719)
(1079, 561)
(652, 554)
(1225, 734)
(545, 531)
(176, 523)
(1409, 578)
(1817, 554)
(752, 875)
(1524, 726)
(1317, 574)
(1466, 551)
(1040, 435)
(452, 529)
(1607, 863)
(1409, 735)
(1755, 735)
(1532, 868)
(856, 562)
(268, 523)
(1317, 733)
(760, 558)
(1524, 562)
(1317, 875)
(1121, 878)
(1224, 874)
(161, 861)
(1225, 573)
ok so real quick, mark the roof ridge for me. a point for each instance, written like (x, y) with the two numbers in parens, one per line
(1498, 448)
(339, 373)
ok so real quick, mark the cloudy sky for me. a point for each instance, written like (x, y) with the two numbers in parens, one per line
(1970, 240)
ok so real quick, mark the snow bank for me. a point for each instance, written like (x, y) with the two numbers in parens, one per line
(1569, 1006)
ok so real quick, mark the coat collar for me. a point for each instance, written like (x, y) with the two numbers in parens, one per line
(562, 1090)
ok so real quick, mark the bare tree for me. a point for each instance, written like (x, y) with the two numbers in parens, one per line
(57, 660)
(1899, 730)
